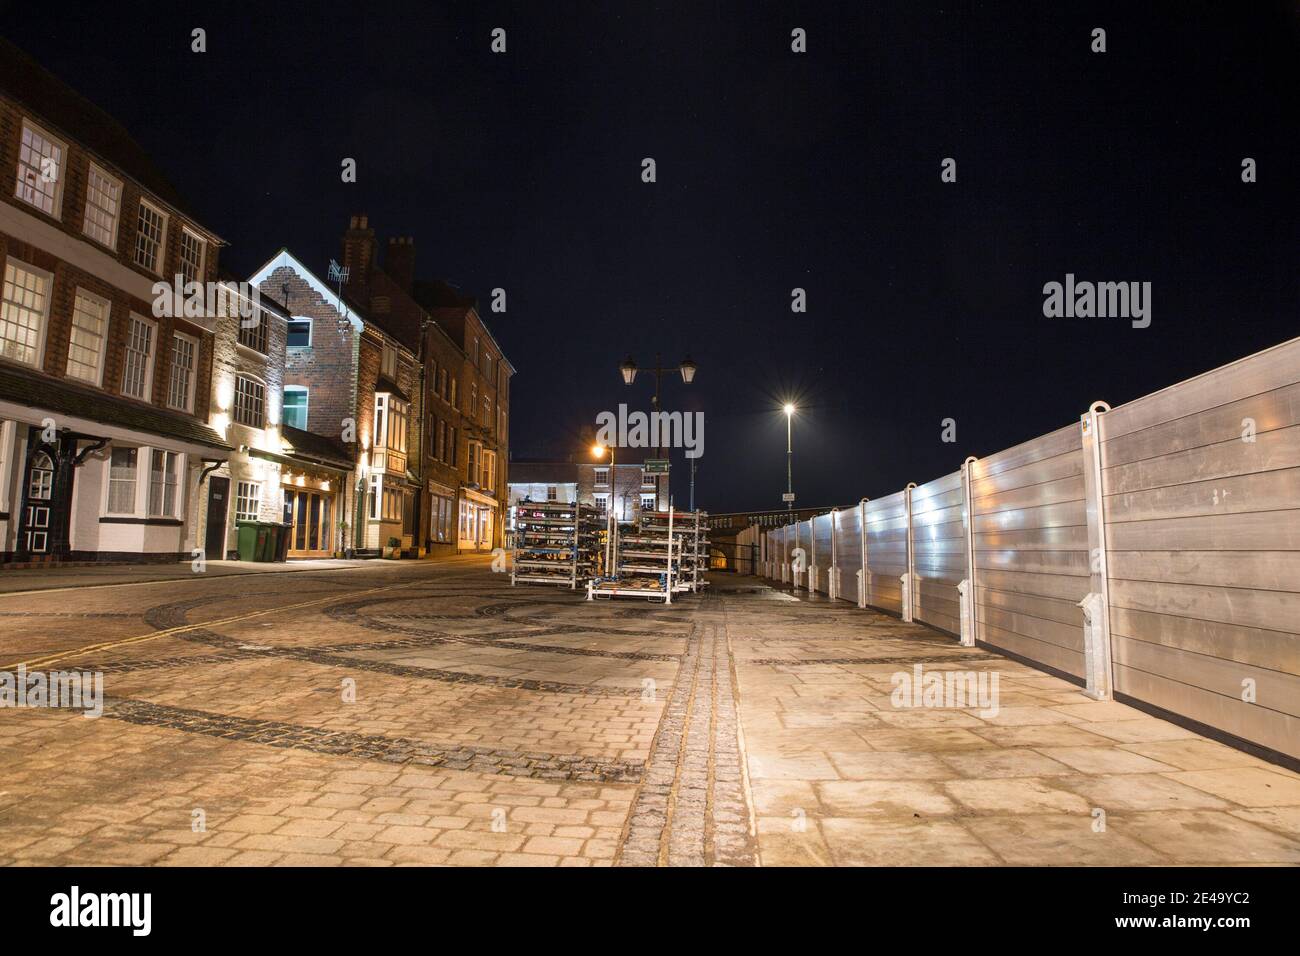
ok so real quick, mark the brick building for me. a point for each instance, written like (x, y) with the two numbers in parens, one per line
(627, 488)
(104, 380)
(350, 379)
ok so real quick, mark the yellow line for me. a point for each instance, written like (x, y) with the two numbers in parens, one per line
(126, 641)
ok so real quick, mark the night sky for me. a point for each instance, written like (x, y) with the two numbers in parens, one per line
(775, 170)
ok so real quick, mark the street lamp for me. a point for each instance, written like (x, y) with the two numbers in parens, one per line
(687, 368)
(789, 458)
(598, 451)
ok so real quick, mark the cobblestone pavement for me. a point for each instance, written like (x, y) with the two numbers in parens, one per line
(404, 713)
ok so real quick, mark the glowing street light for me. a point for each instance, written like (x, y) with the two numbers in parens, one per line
(789, 457)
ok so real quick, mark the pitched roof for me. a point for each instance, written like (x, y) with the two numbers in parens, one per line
(74, 117)
(33, 390)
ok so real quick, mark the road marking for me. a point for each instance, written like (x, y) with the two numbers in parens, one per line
(181, 629)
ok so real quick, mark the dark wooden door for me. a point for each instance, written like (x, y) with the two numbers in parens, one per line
(218, 506)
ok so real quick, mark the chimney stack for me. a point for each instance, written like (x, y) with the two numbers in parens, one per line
(399, 262)
(359, 255)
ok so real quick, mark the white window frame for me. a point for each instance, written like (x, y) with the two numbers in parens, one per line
(376, 497)
(305, 392)
(188, 406)
(174, 465)
(86, 224)
(135, 483)
(20, 185)
(150, 358)
(388, 362)
(653, 502)
(38, 360)
(161, 263)
(311, 331)
(241, 499)
(597, 480)
(200, 271)
(602, 500)
(80, 293)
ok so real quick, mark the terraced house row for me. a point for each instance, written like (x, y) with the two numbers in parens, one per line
(149, 401)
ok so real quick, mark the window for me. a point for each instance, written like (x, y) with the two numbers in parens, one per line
(388, 363)
(453, 394)
(252, 328)
(137, 363)
(602, 477)
(440, 444)
(299, 336)
(86, 341)
(295, 407)
(248, 497)
(455, 445)
(647, 479)
(162, 484)
(376, 493)
(552, 493)
(250, 402)
(103, 207)
(393, 504)
(487, 412)
(490, 471)
(647, 502)
(476, 350)
(180, 391)
(473, 399)
(40, 170)
(151, 232)
(475, 452)
(602, 500)
(192, 255)
(121, 481)
(487, 366)
(442, 388)
(23, 311)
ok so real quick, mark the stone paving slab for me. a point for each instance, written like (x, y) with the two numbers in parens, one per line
(413, 713)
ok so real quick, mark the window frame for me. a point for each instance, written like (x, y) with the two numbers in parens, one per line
(194, 343)
(173, 463)
(38, 361)
(82, 293)
(311, 331)
(160, 266)
(241, 498)
(57, 199)
(201, 267)
(151, 358)
(106, 510)
(305, 392)
(235, 403)
(93, 170)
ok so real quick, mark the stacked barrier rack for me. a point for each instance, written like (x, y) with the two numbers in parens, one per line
(1150, 552)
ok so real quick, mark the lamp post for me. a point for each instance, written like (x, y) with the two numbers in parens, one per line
(686, 367)
(598, 451)
(789, 458)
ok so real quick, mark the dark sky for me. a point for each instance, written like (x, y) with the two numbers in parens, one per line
(775, 171)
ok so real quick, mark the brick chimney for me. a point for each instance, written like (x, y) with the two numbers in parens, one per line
(399, 261)
(359, 256)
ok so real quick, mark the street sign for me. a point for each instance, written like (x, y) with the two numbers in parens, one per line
(655, 466)
(788, 496)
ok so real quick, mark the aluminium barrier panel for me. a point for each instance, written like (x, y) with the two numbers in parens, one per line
(1201, 497)
(821, 538)
(886, 551)
(803, 535)
(848, 552)
(1030, 537)
(939, 552)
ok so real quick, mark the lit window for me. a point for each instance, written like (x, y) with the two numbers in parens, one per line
(295, 406)
(40, 170)
(23, 310)
(162, 484)
(121, 481)
(103, 207)
(647, 502)
(86, 342)
(192, 254)
(602, 500)
(552, 493)
(248, 497)
(180, 392)
(137, 367)
(250, 402)
(150, 234)
(299, 336)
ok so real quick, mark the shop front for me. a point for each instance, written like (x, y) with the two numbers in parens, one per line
(477, 521)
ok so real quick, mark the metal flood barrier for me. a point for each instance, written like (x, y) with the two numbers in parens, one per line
(1150, 551)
